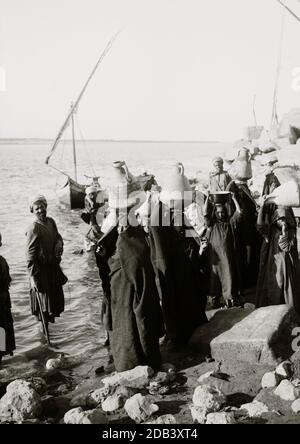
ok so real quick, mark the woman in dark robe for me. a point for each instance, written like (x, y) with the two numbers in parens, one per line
(7, 336)
(132, 312)
(271, 181)
(180, 270)
(224, 255)
(279, 276)
(249, 238)
(180, 274)
(44, 251)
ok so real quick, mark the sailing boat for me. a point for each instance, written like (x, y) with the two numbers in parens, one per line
(72, 194)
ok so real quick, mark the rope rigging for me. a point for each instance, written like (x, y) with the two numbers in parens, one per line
(275, 119)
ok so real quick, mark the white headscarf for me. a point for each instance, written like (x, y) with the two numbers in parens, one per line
(37, 198)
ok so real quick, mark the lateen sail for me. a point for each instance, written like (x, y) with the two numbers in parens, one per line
(74, 107)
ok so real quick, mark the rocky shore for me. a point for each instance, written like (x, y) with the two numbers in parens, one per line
(238, 368)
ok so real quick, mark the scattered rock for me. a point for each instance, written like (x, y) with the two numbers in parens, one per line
(98, 396)
(255, 409)
(158, 390)
(20, 402)
(112, 403)
(287, 391)
(164, 419)
(220, 381)
(140, 408)
(78, 416)
(296, 406)
(198, 414)
(53, 364)
(117, 399)
(210, 399)
(138, 377)
(274, 403)
(284, 370)
(220, 418)
(270, 380)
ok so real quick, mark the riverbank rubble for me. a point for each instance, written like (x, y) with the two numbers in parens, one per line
(254, 378)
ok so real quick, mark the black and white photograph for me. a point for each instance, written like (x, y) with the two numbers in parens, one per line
(149, 214)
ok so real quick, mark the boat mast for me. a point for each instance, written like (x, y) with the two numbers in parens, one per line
(75, 106)
(73, 142)
(289, 10)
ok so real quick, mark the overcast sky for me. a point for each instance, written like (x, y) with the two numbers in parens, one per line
(180, 69)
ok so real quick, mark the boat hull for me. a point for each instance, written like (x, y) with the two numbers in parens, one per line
(72, 194)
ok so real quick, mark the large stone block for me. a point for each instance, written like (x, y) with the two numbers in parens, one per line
(263, 336)
(220, 321)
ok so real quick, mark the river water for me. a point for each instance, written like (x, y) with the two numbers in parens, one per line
(78, 333)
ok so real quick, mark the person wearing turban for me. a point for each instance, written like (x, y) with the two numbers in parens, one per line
(131, 310)
(181, 275)
(224, 252)
(94, 200)
(44, 249)
(279, 274)
(7, 336)
(218, 178)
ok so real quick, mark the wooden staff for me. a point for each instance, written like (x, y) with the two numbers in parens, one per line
(45, 327)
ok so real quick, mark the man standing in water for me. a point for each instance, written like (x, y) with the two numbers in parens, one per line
(44, 251)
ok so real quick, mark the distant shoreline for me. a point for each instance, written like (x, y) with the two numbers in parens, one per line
(18, 141)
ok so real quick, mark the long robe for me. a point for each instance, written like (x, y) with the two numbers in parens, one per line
(180, 273)
(249, 239)
(270, 184)
(44, 270)
(224, 259)
(279, 277)
(6, 320)
(136, 318)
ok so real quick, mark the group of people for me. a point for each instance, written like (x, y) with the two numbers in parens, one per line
(163, 254)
